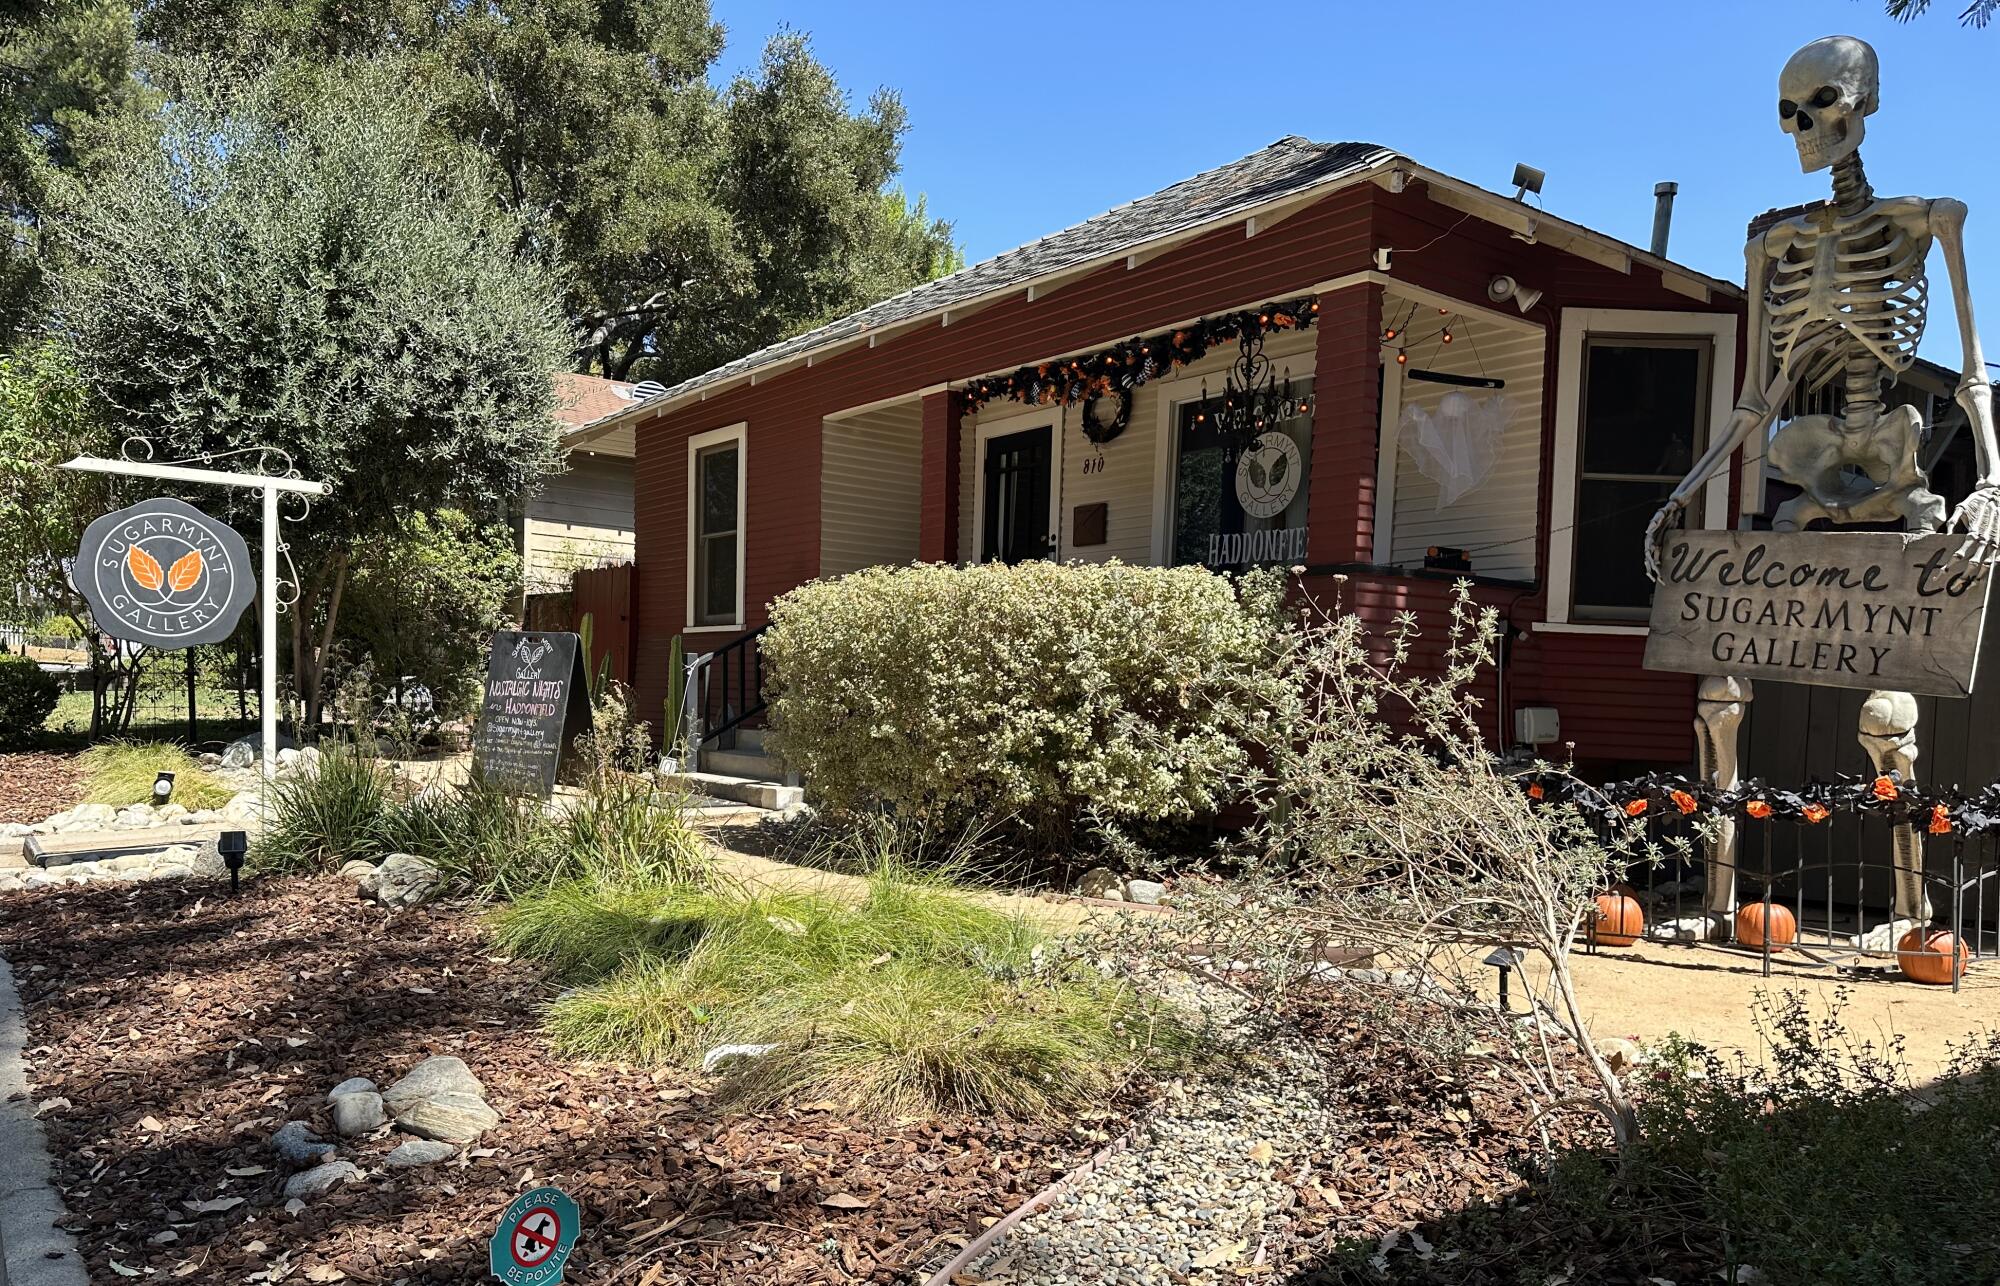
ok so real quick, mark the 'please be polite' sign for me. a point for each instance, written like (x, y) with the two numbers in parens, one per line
(1838, 609)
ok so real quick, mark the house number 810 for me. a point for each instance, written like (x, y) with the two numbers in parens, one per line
(1093, 464)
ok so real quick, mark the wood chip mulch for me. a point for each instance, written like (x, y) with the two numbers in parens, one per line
(172, 1029)
(37, 783)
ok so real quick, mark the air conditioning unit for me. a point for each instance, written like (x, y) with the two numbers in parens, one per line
(1537, 725)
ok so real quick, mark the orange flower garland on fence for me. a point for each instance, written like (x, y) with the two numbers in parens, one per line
(1940, 820)
(1685, 802)
(1757, 808)
(1816, 813)
(1535, 790)
(1635, 807)
(1885, 788)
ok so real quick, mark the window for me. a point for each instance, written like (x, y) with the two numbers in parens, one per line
(715, 529)
(1643, 418)
(1239, 505)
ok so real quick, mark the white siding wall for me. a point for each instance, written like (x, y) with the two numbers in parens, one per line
(582, 518)
(871, 489)
(1495, 521)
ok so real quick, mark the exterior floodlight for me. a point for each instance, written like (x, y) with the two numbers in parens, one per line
(163, 788)
(1504, 288)
(232, 845)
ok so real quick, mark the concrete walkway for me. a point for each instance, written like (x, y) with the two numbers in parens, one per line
(36, 1252)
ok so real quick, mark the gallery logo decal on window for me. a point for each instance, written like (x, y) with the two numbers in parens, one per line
(1238, 503)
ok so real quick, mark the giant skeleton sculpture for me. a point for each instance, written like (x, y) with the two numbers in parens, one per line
(1839, 293)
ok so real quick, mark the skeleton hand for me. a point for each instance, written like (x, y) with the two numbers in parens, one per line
(1656, 533)
(1979, 518)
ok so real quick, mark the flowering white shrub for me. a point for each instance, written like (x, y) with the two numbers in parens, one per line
(1038, 691)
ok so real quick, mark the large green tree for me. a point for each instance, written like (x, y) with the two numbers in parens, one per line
(65, 78)
(289, 260)
(687, 224)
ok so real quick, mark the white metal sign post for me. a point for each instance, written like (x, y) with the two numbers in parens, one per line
(267, 582)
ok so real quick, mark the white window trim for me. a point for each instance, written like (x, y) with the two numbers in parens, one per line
(1186, 383)
(1578, 325)
(1004, 426)
(739, 433)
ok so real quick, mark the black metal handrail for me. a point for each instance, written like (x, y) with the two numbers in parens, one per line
(730, 686)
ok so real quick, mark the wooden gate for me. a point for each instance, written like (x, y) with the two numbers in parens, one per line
(605, 595)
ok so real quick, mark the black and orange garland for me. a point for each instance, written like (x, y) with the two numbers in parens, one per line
(1125, 366)
(1941, 810)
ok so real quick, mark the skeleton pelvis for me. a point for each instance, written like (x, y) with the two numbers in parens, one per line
(1855, 475)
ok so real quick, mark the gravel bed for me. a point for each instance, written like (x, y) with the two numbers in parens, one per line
(1199, 1194)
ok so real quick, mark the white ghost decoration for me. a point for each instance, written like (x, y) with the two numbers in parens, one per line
(1456, 445)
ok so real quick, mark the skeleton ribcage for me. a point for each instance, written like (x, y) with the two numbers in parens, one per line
(1865, 281)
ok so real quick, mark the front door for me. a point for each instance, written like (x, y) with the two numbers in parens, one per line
(1017, 526)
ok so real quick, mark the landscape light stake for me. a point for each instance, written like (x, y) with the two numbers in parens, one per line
(1505, 960)
(163, 788)
(232, 845)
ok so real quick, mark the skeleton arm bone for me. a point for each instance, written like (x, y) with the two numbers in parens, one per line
(1756, 404)
(1979, 514)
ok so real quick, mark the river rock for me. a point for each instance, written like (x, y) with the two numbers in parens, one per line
(246, 807)
(352, 1085)
(1101, 882)
(1145, 892)
(441, 1099)
(449, 1118)
(87, 817)
(357, 1113)
(403, 880)
(310, 1183)
(297, 1145)
(418, 1152)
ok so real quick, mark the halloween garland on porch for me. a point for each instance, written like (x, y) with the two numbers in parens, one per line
(1116, 371)
(1938, 810)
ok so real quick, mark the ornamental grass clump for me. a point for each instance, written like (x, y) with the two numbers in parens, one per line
(913, 1000)
(123, 772)
(1044, 693)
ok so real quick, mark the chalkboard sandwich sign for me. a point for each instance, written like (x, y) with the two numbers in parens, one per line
(536, 703)
(1843, 609)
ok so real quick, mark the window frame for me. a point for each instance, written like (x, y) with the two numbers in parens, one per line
(1579, 327)
(737, 435)
(1704, 349)
(1182, 388)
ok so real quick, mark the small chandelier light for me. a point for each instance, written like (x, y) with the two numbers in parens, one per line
(1254, 397)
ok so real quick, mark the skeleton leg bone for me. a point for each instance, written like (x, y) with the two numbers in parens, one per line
(1718, 715)
(1888, 733)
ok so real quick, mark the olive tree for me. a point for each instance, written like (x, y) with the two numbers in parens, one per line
(286, 258)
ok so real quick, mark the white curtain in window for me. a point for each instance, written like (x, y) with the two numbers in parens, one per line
(1456, 444)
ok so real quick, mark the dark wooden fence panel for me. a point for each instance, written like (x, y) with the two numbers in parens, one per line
(605, 595)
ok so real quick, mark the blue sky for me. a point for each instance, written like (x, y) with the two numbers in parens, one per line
(1028, 116)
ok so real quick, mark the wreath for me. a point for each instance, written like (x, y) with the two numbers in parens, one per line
(1099, 430)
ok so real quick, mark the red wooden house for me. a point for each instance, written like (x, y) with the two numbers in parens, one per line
(877, 438)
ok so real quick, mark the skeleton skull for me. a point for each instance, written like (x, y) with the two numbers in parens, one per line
(1825, 94)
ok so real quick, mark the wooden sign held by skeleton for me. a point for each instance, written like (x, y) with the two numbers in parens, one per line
(1840, 293)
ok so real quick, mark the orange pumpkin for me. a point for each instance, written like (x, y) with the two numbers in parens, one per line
(1925, 955)
(1757, 920)
(1619, 920)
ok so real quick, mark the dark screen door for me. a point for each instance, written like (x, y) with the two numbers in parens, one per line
(1017, 497)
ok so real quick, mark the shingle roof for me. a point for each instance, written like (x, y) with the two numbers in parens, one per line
(583, 398)
(1292, 164)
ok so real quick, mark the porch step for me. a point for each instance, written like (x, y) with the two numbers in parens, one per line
(741, 763)
(769, 795)
(750, 739)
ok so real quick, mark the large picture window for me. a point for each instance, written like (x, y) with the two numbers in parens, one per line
(1240, 504)
(1644, 417)
(715, 529)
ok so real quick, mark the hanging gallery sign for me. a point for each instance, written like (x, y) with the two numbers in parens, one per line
(1836, 609)
(164, 574)
(535, 703)
(1241, 504)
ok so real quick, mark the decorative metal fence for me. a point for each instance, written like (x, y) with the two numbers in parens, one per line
(1828, 897)
(203, 695)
